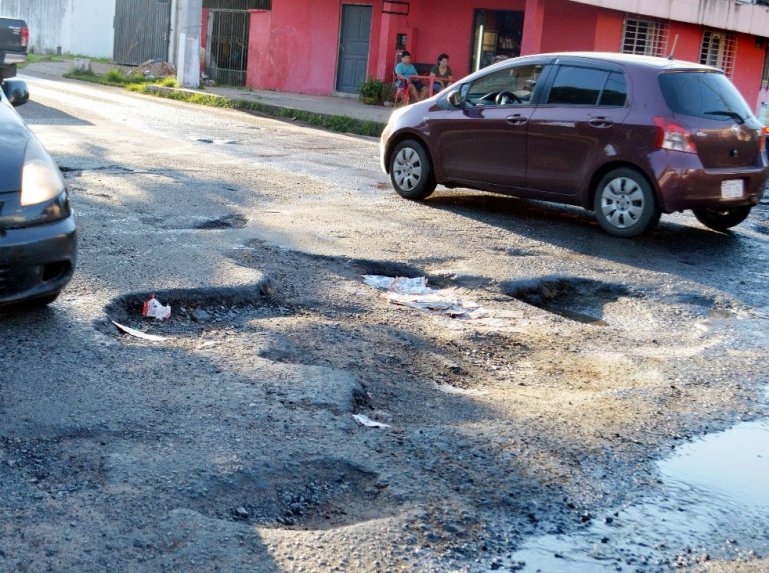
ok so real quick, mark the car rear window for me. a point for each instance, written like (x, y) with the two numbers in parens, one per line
(702, 94)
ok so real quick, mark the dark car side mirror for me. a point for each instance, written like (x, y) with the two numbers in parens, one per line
(455, 98)
(16, 91)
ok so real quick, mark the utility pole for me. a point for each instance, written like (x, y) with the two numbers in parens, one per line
(188, 18)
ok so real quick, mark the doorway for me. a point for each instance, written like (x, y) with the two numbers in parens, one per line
(496, 36)
(353, 48)
(227, 47)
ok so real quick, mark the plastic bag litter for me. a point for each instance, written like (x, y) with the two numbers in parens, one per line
(154, 309)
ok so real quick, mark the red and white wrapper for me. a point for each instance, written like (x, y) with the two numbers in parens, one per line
(154, 309)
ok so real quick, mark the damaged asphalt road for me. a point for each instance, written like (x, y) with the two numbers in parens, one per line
(234, 444)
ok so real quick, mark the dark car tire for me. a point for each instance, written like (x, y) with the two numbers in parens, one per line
(624, 203)
(722, 219)
(45, 300)
(411, 173)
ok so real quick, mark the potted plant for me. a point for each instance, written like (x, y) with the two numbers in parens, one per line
(370, 91)
(388, 93)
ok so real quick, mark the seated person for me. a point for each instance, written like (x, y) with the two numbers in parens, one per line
(405, 70)
(440, 75)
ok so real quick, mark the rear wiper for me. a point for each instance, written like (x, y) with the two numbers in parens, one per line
(728, 113)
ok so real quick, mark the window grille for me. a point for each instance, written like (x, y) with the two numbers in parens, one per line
(718, 50)
(238, 4)
(646, 37)
(765, 71)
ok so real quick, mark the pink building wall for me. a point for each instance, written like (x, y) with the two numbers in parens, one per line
(300, 54)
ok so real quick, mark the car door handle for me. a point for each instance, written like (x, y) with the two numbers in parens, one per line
(516, 119)
(600, 121)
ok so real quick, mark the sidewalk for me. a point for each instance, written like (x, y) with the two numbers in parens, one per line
(325, 105)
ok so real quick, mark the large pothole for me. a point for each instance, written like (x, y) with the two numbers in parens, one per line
(581, 300)
(194, 308)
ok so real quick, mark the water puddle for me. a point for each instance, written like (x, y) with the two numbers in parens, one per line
(711, 503)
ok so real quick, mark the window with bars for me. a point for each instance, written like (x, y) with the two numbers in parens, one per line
(646, 37)
(718, 50)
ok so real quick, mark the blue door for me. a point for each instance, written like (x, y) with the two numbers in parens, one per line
(353, 48)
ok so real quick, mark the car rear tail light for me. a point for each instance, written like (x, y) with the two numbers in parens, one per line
(673, 136)
(24, 37)
(764, 135)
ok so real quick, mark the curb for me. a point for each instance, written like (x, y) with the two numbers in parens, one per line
(331, 122)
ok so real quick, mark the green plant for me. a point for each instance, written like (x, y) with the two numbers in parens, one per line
(371, 90)
(388, 92)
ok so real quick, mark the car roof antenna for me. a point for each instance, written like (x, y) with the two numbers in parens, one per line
(673, 49)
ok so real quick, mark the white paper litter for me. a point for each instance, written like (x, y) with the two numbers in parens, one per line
(415, 293)
(402, 285)
(368, 422)
(139, 333)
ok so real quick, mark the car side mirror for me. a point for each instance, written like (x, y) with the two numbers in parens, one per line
(455, 98)
(16, 91)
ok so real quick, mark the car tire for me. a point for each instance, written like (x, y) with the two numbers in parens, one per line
(722, 219)
(624, 203)
(42, 301)
(411, 172)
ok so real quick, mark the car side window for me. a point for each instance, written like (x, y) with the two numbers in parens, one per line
(509, 86)
(614, 91)
(574, 85)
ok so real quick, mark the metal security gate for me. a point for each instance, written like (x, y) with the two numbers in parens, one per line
(227, 46)
(142, 29)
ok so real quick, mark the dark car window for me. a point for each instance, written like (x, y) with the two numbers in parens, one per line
(615, 91)
(577, 86)
(703, 94)
(519, 81)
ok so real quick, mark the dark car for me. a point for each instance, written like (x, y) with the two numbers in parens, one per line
(37, 228)
(629, 137)
(14, 40)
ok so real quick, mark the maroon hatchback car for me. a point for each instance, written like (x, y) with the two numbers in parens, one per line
(629, 137)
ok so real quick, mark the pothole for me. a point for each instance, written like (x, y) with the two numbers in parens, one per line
(193, 309)
(316, 494)
(232, 221)
(179, 223)
(580, 300)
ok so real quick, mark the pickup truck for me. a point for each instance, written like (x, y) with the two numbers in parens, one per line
(14, 40)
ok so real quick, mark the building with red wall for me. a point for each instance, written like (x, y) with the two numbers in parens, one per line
(328, 47)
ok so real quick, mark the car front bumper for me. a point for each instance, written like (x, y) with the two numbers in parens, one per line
(38, 261)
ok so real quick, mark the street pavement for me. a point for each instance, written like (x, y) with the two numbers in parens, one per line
(329, 105)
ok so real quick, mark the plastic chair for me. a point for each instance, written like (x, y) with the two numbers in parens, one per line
(402, 93)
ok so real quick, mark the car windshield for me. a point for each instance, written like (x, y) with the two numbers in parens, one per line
(703, 94)
(518, 81)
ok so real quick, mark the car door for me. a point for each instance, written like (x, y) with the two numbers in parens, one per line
(483, 141)
(580, 116)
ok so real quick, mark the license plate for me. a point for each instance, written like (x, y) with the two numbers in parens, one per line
(732, 189)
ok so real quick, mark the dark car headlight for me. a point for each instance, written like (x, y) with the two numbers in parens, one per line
(41, 180)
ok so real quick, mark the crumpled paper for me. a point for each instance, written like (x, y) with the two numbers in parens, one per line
(154, 309)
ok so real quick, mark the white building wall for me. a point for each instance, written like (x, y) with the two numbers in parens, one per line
(82, 27)
(738, 16)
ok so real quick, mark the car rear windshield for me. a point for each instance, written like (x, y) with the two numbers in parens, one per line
(703, 94)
